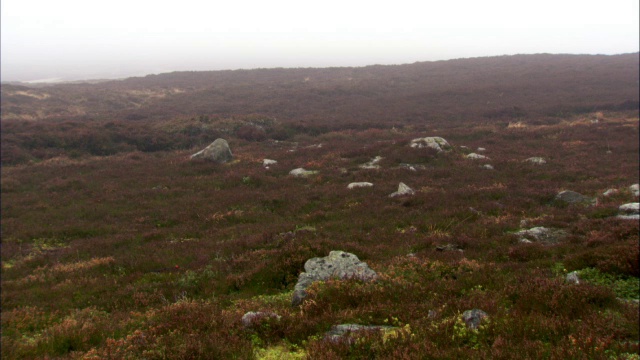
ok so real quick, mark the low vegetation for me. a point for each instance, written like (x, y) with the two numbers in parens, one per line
(116, 245)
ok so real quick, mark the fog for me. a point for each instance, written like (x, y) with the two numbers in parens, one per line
(79, 39)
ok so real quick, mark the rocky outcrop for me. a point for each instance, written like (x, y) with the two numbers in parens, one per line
(359, 185)
(572, 197)
(541, 234)
(218, 151)
(338, 265)
(402, 191)
(434, 142)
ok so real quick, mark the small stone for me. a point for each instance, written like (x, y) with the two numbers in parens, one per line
(300, 172)
(610, 192)
(473, 318)
(434, 142)
(402, 191)
(373, 164)
(572, 278)
(487, 167)
(359, 185)
(481, 149)
(268, 162)
(572, 197)
(635, 189)
(541, 234)
(252, 317)
(475, 156)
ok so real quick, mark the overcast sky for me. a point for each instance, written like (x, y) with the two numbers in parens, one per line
(80, 39)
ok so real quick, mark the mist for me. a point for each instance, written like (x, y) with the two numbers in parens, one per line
(73, 40)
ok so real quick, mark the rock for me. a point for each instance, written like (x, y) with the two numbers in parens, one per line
(252, 317)
(300, 172)
(630, 211)
(536, 160)
(572, 278)
(342, 332)
(359, 185)
(448, 247)
(481, 149)
(487, 167)
(473, 318)
(610, 192)
(541, 234)
(572, 197)
(373, 164)
(267, 162)
(402, 190)
(475, 156)
(435, 142)
(635, 190)
(412, 167)
(338, 264)
(218, 151)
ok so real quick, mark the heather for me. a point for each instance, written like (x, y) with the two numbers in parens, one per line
(139, 252)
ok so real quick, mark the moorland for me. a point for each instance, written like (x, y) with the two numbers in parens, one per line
(115, 244)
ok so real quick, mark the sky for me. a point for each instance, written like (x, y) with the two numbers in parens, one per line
(45, 40)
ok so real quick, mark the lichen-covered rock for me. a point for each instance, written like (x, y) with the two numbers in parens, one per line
(218, 151)
(359, 185)
(572, 197)
(434, 142)
(536, 160)
(300, 172)
(474, 156)
(338, 264)
(541, 234)
(402, 191)
(473, 318)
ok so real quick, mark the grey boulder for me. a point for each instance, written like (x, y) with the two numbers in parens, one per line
(218, 151)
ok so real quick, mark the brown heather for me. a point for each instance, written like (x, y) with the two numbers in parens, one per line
(116, 246)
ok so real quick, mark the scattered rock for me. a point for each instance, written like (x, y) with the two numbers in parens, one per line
(338, 264)
(487, 166)
(475, 156)
(300, 172)
(635, 189)
(610, 192)
(343, 332)
(572, 278)
(435, 142)
(359, 185)
(448, 247)
(572, 197)
(268, 162)
(630, 211)
(251, 318)
(412, 167)
(373, 164)
(481, 149)
(402, 190)
(541, 234)
(218, 151)
(473, 318)
(536, 160)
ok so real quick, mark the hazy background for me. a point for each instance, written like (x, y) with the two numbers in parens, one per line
(80, 39)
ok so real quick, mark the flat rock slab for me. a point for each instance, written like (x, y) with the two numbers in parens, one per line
(337, 265)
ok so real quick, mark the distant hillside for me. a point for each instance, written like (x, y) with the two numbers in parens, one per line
(502, 87)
